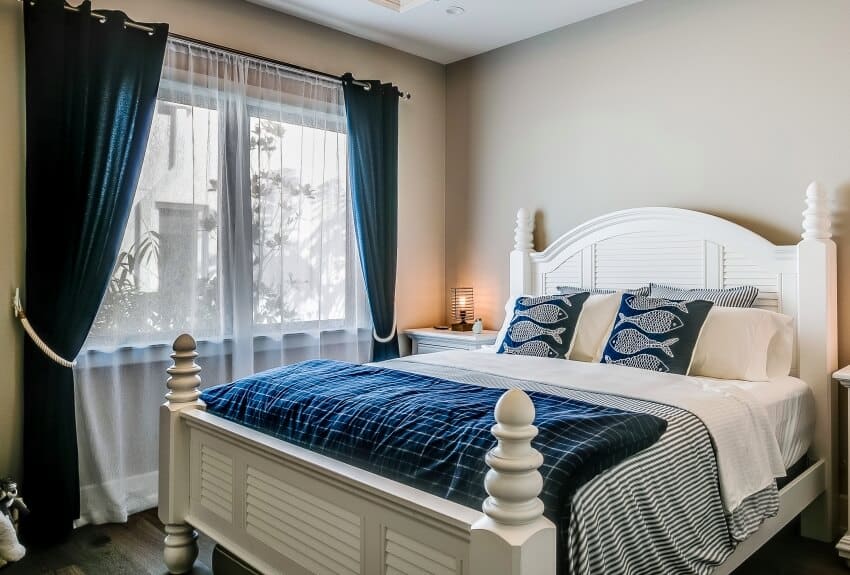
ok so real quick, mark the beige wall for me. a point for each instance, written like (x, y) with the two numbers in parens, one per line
(726, 106)
(11, 229)
(249, 28)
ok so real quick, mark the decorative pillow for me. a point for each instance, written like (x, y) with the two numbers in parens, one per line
(744, 344)
(656, 334)
(602, 291)
(742, 296)
(594, 325)
(543, 326)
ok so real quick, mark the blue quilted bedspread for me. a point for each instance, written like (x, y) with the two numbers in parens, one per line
(426, 432)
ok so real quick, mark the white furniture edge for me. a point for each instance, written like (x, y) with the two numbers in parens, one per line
(281, 508)
(447, 334)
(443, 339)
(843, 545)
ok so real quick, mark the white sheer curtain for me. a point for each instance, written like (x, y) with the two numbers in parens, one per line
(242, 235)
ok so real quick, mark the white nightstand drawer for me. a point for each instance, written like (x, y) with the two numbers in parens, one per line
(430, 340)
(430, 348)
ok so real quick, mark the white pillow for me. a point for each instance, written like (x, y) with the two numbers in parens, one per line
(506, 323)
(594, 326)
(747, 344)
(780, 352)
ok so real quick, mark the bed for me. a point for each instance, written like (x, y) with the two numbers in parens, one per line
(285, 509)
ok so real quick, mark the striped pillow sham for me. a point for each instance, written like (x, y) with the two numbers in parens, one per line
(741, 296)
(569, 290)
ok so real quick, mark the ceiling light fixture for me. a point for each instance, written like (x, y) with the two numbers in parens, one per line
(400, 5)
(455, 10)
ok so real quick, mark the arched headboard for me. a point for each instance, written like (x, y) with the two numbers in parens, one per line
(631, 248)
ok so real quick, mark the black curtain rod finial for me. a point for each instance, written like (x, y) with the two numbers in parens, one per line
(348, 77)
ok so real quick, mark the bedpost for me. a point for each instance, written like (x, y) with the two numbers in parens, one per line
(181, 545)
(521, 254)
(818, 354)
(513, 537)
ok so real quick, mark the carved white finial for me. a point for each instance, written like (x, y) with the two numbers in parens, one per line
(513, 481)
(816, 220)
(523, 233)
(184, 383)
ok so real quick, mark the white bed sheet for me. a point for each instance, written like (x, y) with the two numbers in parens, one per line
(747, 449)
(790, 406)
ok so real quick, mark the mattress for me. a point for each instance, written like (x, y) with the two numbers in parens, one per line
(635, 488)
(790, 406)
(662, 510)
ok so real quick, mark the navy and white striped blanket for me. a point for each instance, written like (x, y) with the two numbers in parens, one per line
(427, 432)
(659, 511)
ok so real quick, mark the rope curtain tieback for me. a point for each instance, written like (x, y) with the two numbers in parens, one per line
(19, 312)
(387, 339)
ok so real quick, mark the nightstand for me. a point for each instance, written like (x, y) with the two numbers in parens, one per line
(842, 376)
(430, 340)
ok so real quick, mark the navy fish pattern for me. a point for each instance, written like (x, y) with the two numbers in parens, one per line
(543, 326)
(525, 330)
(643, 303)
(537, 348)
(544, 313)
(655, 333)
(631, 341)
(532, 301)
(656, 321)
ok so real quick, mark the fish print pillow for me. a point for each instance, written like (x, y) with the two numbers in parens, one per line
(655, 333)
(543, 326)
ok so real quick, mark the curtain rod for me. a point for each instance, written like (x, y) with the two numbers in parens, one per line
(130, 24)
(101, 18)
(365, 85)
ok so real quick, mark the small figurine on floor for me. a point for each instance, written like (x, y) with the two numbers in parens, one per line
(12, 508)
(11, 504)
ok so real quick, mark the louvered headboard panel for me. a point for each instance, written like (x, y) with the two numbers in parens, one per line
(635, 259)
(665, 245)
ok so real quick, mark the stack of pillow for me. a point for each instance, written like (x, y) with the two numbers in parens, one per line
(706, 332)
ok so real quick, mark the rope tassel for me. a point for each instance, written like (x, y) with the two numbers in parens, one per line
(19, 312)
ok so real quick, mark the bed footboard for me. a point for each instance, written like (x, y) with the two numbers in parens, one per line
(283, 509)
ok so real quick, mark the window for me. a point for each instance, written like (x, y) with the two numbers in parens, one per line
(242, 235)
(242, 218)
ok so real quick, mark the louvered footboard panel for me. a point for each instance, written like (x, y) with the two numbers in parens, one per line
(283, 517)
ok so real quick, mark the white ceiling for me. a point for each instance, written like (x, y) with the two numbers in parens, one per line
(426, 30)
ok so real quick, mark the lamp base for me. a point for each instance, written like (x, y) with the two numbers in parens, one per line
(462, 326)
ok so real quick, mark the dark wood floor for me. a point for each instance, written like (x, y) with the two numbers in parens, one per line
(132, 548)
(135, 548)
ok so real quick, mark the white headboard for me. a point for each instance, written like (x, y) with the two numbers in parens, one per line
(631, 248)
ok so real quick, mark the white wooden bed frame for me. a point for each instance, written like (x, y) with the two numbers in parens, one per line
(283, 509)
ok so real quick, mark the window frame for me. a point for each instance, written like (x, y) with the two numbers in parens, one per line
(277, 332)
